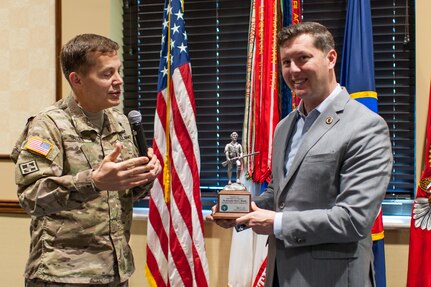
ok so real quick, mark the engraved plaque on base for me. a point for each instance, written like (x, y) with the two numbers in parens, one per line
(232, 204)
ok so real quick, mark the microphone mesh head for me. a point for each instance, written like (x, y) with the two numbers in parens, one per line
(134, 117)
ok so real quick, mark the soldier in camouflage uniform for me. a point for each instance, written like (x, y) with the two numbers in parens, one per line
(78, 173)
(233, 149)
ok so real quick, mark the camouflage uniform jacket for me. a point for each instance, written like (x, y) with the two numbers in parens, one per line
(78, 233)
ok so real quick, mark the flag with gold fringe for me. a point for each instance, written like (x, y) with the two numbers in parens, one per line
(175, 242)
(247, 264)
(262, 88)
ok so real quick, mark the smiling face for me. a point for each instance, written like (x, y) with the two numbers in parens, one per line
(307, 70)
(98, 87)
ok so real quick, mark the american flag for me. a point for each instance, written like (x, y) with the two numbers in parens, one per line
(175, 243)
(38, 145)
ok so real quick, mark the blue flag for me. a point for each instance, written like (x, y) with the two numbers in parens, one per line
(357, 66)
(292, 14)
(357, 75)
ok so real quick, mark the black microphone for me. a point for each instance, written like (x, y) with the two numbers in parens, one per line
(135, 119)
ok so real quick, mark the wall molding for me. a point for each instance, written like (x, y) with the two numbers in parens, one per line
(10, 206)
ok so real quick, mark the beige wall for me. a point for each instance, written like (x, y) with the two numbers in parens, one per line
(27, 75)
(96, 17)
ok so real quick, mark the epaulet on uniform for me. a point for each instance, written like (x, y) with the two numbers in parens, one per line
(118, 114)
(117, 110)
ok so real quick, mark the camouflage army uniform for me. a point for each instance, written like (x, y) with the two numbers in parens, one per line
(78, 233)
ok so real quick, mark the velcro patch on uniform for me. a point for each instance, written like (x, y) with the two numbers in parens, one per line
(28, 167)
(38, 145)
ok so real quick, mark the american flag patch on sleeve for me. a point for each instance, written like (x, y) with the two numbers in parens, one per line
(38, 145)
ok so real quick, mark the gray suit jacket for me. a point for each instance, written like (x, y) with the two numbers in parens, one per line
(329, 198)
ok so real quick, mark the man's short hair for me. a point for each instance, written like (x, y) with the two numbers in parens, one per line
(74, 55)
(323, 39)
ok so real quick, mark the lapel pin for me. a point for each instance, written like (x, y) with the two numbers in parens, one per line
(329, 120)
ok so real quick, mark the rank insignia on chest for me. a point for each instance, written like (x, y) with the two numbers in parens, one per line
(28, 167)
(38, 145)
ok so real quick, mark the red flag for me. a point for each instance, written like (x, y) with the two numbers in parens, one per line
(248, 250)
(261, 112)
(175, 243)
(420, 226)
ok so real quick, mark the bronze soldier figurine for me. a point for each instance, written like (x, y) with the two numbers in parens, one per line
(233, 152)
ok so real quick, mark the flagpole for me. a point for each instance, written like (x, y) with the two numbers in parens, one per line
(166, 169)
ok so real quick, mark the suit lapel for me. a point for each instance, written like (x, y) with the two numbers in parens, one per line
(324, 122)
(283, 135)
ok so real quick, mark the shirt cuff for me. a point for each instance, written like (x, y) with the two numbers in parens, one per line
(84, 183)
(277, 224)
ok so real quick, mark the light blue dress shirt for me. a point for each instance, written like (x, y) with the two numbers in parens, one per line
(303, 124)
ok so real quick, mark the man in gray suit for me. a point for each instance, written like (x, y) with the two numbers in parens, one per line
(330, 172)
